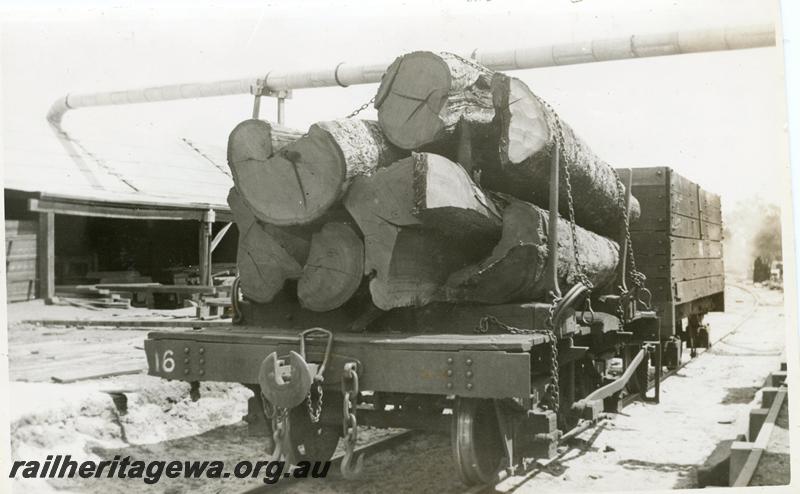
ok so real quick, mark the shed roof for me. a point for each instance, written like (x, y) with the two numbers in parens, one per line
(161, 173)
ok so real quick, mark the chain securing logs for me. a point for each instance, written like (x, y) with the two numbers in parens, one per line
(351, 466)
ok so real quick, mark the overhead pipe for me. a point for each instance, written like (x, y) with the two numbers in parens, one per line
(278, 83)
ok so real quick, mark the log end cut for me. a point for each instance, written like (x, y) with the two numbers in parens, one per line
(297, 184)
(334, 269)
(524, 129)
(411, 97)
(264, 265)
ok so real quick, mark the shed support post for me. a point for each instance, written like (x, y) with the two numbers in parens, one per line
(204, 248)
(46, 255)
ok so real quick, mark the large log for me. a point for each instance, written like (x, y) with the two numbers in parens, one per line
(299, 183)
(253, 141)
(529, 131)
(515, 270)
(250, 145)
(421, 218)
(334, 269)
(447, 200)
(266, 256)
(424, 96)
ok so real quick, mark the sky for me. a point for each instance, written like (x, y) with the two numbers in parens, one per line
(717, 118)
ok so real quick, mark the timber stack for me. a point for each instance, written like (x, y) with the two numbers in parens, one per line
(442, 199)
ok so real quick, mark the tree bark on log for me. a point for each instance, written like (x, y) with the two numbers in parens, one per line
(424, 96)
(416, 216)
(515, 271)
(266, 256)
(334, 269)
(299, 183)
(529, 130)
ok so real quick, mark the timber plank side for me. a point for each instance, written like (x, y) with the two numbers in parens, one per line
(686, 248)
(654, 243)
(19, 290)
(711, 215)
(685, 205)
(654, 175)
(711, 231)
(683, 186)
(653, 266)
(652, 201)
(21, 228)
(709, 200)
(690, 269)
(683, 226)
(686, 291)
(660, 289)
(650, 243)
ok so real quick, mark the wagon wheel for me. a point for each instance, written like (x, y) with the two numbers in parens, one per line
(477, 446)
(310, 441)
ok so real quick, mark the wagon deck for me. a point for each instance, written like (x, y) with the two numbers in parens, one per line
(397, 362)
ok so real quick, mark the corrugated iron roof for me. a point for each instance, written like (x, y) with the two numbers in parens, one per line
(161, 170)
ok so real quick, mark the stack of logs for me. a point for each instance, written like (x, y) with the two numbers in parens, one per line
(440, 200)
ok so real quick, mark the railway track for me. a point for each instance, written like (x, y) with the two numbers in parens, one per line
(388, 443)
(371, 448)
(543, 465)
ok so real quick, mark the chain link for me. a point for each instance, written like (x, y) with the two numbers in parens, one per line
(579, 268)
(314, 413)
(361, 108)
(636, 277)
(350, 391)
(468, 61)
(280, 425)
(552, 389)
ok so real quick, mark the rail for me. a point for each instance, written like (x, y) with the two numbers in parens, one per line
(382, 444)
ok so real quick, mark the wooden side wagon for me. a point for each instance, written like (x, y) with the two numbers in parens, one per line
(678, 246)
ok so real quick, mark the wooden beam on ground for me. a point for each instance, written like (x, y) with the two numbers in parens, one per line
(156, 288)
(46, 255)
(132, 323)
(67, 378)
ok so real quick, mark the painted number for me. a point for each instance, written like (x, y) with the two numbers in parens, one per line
(165, 362)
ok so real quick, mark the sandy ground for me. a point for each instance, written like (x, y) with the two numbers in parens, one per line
(649, 446)
(39, 353)
(661, 446)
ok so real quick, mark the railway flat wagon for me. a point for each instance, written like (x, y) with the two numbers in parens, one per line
(464, 264)
(678, 245)
(509, 382)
